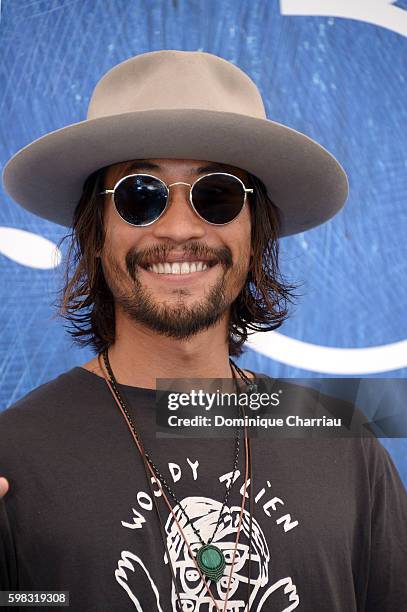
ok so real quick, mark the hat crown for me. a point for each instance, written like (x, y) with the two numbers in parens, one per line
(172, 79)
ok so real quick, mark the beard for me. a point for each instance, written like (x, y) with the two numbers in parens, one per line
(177, 318)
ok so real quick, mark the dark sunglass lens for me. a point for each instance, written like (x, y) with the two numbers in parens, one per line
(218, 198)
(140, 199)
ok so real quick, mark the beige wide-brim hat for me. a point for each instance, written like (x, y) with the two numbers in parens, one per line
(178, 105)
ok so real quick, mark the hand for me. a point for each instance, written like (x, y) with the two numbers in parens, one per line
(4, 486)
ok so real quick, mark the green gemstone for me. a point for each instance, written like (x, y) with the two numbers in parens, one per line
(211, 561)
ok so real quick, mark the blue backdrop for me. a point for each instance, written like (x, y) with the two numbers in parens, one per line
(335, 70)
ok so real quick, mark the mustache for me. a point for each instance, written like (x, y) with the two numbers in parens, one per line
(136, 258)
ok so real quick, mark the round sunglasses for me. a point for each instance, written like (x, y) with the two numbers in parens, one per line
(141, 199)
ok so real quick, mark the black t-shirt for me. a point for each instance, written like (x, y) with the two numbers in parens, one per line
(329, 520)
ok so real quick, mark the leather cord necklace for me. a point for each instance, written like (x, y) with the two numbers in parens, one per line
(212, 558)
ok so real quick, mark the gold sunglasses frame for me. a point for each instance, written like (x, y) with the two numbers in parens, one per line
(167, 187)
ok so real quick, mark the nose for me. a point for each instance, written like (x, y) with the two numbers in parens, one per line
(179, 222)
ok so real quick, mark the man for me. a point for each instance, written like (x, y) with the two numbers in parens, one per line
(177, 187)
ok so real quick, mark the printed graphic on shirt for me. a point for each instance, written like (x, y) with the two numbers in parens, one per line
(135, 576)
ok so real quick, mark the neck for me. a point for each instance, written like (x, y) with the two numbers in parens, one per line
(139, 356)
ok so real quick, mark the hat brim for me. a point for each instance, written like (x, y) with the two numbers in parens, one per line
(302, 178)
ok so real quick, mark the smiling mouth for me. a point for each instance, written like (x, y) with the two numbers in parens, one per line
(180, 267)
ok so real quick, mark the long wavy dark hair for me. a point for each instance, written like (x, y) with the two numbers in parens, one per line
(86, 302)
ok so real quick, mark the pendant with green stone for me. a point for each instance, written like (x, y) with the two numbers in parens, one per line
(211, 561)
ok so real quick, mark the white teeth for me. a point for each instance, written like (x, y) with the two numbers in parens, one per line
(185, 267)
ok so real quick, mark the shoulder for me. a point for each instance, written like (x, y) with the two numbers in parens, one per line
(45, 420)
(356, 437)
(380, 465)
(42, 406)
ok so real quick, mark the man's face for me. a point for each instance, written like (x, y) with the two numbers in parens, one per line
(177, 305)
